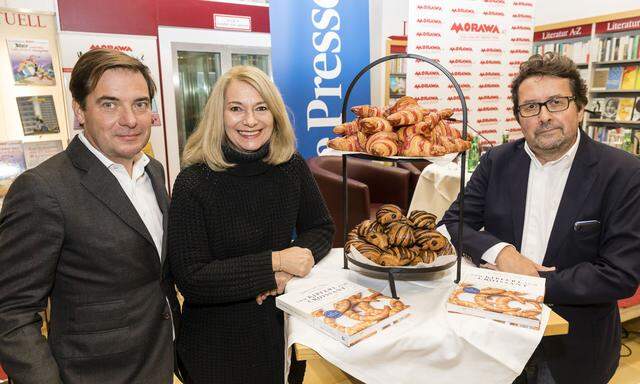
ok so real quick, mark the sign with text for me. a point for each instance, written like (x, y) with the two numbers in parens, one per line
(482, 44)
(620, 25)
(318, 47)
(231, 22)
(575, 31)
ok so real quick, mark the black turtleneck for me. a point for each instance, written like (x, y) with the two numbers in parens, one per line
(222, 229)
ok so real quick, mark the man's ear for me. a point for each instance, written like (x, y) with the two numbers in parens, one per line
(78, 112)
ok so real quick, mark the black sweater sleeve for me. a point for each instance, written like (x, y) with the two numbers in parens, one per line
(314, 226)
(199, 277)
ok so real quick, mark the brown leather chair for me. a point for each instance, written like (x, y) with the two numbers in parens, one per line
(370, 186)
(415, 168)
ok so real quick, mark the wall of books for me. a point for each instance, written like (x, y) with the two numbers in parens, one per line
(607, 54)
(33, 126)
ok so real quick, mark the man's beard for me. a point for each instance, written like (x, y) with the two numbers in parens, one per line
(545, 144)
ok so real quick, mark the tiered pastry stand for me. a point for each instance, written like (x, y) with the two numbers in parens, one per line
(390, 271)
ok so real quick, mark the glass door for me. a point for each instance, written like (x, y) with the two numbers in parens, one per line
(197, 73)
(255, 60)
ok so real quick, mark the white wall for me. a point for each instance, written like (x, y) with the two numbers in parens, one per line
(32, 5)
(554, 11)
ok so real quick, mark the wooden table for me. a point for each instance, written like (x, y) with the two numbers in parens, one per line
(556, 326)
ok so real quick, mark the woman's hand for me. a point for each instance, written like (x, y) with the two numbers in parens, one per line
(295, 260)
(282, 278)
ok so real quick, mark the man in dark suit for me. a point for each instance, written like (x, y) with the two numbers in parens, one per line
(559, 205)
(85, 229)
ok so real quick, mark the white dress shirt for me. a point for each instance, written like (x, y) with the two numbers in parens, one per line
(544, 190)
(138, 189)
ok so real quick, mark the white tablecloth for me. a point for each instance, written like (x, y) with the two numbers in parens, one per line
(431, 345)
(437, 188)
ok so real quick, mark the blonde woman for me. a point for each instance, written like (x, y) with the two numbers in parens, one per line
(235, 208)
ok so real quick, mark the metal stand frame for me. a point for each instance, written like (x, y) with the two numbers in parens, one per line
(345, 201)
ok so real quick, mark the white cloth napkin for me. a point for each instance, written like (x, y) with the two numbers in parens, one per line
(431, 345)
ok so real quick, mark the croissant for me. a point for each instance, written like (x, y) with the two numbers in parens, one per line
(406, 133)
(406, 116)
(421, 146)
(431, 240)
(400, 234)
(367, 111)
(347, 143)
(389, 260)
(403, 253)
(402, 103)
(445, 113)
(422, 220)
(383, 144)
(388, 213)
(378, 239)
(349, 128)
(368, 226)
(372, 125)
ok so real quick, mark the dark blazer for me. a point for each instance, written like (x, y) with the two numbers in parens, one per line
(594, 267)
(68, 232)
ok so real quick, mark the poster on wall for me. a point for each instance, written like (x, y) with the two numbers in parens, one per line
(12, 164)
(38, 115)
(482, 44)
(143, 48)
(31, 62)
(36, 152)
(317, 48)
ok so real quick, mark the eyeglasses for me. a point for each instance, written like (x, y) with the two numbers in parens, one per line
(554, 104)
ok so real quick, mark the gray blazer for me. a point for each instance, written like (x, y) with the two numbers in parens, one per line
(69, 232)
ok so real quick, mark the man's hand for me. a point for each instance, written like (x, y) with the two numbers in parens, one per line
(282, 278)
(510, 260)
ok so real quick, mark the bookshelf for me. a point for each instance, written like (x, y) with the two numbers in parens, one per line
(395, 70)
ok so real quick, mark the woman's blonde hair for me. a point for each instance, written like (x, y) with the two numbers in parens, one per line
(205, 144)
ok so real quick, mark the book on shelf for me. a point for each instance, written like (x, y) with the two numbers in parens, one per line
(12, 164)
(343, 310)
(629, 74)
(635, 116)
(600, 76)
(618, 48)
(505, 297)
(610, 110)
(596, 106)
(638, 80)
(625, 108)
(614, 78)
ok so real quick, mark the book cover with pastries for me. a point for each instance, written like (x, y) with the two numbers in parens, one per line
(505, 297)
(345, 311)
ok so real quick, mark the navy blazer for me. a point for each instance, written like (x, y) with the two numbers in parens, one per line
(595, 266)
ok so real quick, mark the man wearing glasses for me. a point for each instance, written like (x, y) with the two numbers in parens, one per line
(559, 205)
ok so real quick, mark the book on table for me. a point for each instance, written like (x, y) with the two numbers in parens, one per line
(345, 311)
(505, 297)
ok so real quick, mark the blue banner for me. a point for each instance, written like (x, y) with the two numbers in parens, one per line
(317, 48)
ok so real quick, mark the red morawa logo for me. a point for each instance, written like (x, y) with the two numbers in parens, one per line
(513, 74)
(491, 50)
(489, 97)
(493, 13)
(495, 1)
(487, 131)
(463, 10)
(509, 109)
(451, 98)
(490, 85)
(429, 21)
(121, 48)
(462, 85)
(429, 34)
(522, 4)
(430, 7)
(427, 73)
(510, 119)
(488, 62)
(521, 28)
(456, 109)
(425, 85)
(428, 47)
(489, 74)
(521, 39)
(474, 27)
(427, 98)
(521, 16)
(487, 120)
(487, 109)
(461, 73)
(459, 61)
(523, 51)
(516, 62)
(461, 49)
